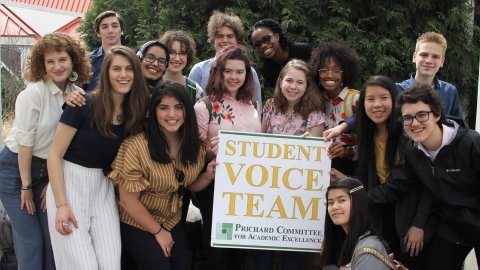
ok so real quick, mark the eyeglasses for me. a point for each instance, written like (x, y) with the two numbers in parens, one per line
(174, 54)
(180, 176)
(150, 58)
(324, 71)
(421, 116)
(265, 39)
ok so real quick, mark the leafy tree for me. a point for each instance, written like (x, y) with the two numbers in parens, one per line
(382, 32)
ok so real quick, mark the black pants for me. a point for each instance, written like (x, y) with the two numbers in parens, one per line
(443, 254)
(217, 258)
(147, 253)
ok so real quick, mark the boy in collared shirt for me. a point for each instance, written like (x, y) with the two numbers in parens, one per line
(109, 28)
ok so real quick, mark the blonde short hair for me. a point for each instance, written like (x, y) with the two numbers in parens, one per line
(432, 37)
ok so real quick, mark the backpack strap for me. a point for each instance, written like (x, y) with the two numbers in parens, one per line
(375, 253)
(208, 104)
(192, 89)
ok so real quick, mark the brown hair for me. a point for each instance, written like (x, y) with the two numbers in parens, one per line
(311, 100)
(135, 102)
(215, 86)
(426, 94)
(58, 42)
(106, 14)
(432, 37)
(220, 19)
(187, 44)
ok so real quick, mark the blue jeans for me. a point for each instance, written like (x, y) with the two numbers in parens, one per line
(31, 239)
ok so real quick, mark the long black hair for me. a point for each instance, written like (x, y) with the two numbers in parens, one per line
(359, 224)
(366, 128)
(188, 133)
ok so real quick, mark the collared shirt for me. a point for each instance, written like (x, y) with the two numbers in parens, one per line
(96, 59)
(201, 71)
(448, 95)
(136, 171)
(37, 111)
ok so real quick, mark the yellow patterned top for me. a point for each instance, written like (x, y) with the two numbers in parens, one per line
(134, 170)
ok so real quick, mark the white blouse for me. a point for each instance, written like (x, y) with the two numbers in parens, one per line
(37, 111)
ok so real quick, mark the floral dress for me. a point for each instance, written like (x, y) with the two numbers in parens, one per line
(290, 123)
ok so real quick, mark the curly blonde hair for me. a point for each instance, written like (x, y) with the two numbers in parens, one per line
(58, 42)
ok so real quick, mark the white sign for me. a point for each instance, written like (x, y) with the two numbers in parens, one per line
(270, 192)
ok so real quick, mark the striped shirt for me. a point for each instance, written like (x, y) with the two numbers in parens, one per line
(134, 170)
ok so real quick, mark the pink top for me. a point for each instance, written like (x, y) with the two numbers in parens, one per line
(291, 124)
(227, 114)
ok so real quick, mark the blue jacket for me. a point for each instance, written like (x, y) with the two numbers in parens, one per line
(96, 59)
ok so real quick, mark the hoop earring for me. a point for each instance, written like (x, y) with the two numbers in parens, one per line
(73, 76)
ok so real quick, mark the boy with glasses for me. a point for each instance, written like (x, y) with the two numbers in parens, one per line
(444, 160)
(429, 57)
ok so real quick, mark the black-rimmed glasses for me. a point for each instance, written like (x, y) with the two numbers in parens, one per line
(150, 58)
(421, 116)
(265, 39)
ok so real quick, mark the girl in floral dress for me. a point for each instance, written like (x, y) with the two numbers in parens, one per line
(228, 107)
(296, 108)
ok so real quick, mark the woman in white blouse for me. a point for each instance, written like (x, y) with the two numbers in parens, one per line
(57, 61)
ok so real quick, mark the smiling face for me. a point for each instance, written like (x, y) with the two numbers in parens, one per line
(331, 77)
(58, 66)
(234, 75)
(170, 115)
(378, 104)
(265, 42)
(428, 59)
(224, 38)
(153, 70)
(121, 74)
(294, 85)
(110, 31)
(178, 57)
(338, 207)
(421, 132)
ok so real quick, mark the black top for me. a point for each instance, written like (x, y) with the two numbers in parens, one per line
(271, 69)
(88, 148)
(452, 181)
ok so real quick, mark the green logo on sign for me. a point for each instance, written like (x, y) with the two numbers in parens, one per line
(224, 231)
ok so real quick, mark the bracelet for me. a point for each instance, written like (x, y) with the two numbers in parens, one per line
(165, 228)
(60, 205)
(161, 228)
(28, 187)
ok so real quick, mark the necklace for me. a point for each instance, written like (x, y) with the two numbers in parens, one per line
(120, 118)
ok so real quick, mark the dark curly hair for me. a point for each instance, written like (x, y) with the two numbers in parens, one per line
(345, 56)
(57, 42)
(275, 27)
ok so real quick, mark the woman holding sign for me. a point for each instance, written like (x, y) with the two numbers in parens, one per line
(296, 108)
(229, 106)
(152, 171)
